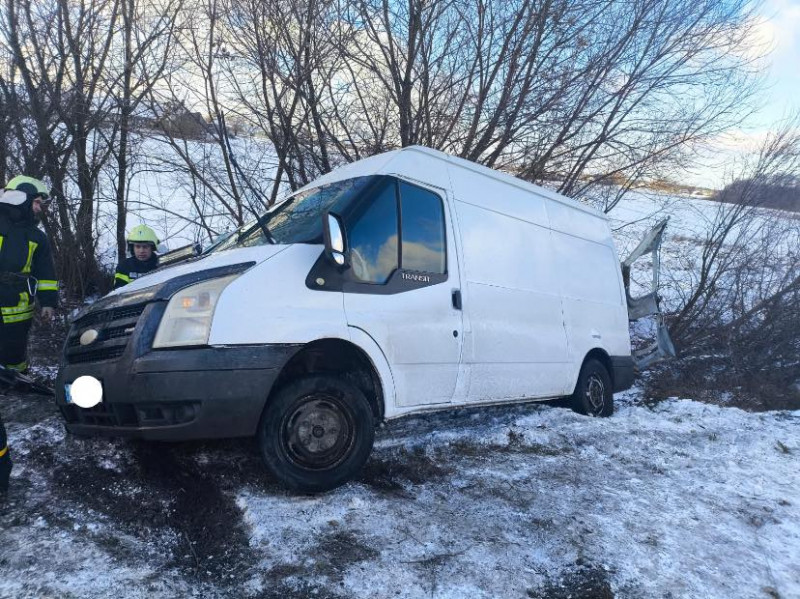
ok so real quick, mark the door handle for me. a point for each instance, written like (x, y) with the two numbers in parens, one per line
(456, 299)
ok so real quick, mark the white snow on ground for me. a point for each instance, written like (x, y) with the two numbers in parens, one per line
(682, 500)
(688, 499)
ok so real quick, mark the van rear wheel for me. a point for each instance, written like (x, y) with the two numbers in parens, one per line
(593, 395)
(316, 433)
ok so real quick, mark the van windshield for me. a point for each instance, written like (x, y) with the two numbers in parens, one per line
(298, 219)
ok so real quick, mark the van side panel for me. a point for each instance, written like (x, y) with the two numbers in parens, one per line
(485, 192)
(578, 223)
(595, 313)
(515, 343)
(587, 270)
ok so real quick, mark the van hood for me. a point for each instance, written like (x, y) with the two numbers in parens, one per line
(255, 254)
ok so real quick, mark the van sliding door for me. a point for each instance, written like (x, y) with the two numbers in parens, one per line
(516, 346)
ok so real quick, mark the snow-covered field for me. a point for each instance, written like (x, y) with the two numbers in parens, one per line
(681, 499)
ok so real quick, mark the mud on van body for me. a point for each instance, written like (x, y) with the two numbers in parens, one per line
(404, 282)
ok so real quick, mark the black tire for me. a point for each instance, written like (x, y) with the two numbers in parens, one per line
(316, 433)
(594, 393)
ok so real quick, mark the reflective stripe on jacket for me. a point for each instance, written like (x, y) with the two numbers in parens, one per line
(131, 269)
(25, 253)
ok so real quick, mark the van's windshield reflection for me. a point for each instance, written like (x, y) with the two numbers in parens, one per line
(298, 219)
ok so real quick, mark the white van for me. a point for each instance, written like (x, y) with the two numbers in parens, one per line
(404, 282)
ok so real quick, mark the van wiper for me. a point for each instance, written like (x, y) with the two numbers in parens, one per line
(260, 224)
(265, 230)
(267, 233)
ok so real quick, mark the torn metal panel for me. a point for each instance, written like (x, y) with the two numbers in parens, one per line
(661, 349)
(639, 307)
(648, 305)
(651, 244)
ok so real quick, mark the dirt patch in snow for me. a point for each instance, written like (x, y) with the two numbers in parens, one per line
(579, 581)
(716, 384)
(394, 472)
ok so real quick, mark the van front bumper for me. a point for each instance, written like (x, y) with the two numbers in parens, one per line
(177, 394)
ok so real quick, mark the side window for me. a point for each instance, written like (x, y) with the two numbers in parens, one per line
(373, 238)
(423, 230)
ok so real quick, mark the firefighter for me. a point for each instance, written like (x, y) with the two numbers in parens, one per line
(26, 274)
(142, 244)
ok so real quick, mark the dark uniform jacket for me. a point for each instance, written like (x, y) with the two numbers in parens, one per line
(131, 269)
(26, 267)
(26, 270)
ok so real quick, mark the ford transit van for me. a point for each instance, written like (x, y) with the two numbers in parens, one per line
(405, 282)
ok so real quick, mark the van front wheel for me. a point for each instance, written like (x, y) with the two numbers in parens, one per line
(316, 433)
(594, 395)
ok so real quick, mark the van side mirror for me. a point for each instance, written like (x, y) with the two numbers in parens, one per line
(334, 239)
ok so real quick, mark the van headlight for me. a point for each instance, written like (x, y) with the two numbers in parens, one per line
(187, 320)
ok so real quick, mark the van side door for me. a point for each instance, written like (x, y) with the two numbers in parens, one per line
(402, 287)
(516, 345)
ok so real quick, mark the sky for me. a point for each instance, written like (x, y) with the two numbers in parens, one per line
(780, 28)
(778, 31)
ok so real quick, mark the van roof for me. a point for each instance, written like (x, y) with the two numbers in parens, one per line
(376, 163)
(504, 177)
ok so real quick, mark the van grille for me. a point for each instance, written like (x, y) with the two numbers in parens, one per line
(109, 315)
(114, 328)
(98, 355)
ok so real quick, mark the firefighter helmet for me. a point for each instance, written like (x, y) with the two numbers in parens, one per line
(143, 234)
(30, 186)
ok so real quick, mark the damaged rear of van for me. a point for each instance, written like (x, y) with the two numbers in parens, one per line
(405, 282)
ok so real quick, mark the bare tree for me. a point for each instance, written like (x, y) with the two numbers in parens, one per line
(9, 114)
(739, 315)
(60, 51)
(147, 40)
(233, 172)
(78, 74)
(574, 93)
(579, 92)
